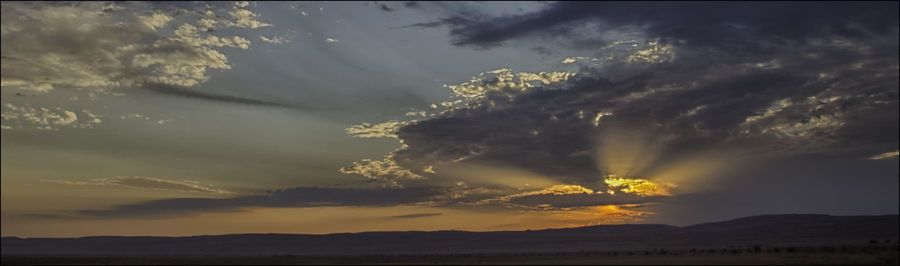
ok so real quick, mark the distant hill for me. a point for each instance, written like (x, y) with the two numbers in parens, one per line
(768, 230)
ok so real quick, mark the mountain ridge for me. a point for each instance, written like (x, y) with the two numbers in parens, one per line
(767, 230)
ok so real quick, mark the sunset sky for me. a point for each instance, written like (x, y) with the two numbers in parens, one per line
(190, 118)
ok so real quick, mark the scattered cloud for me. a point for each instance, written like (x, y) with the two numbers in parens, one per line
(274, 39)
(110, 48)
(385, 170)
(46, 118)
(244, 18)
(380, 130)
(145, 118)
(106, 48)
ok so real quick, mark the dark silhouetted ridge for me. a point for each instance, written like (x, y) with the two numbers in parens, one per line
(767, 230)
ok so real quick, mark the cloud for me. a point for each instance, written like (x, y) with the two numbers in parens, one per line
(185, 92)
(274, 39)
(412, 4)
(244, 18)
(46, 118)
(296, 197)
(380, 130)
(886, 155)
(505, 81)
(568, 196)
(155, 21)
(386, 170)
(145, 118)
(145, 183)
(415, 215)
(648, 106)
(453, 20)
(709, 24)
(112, 47)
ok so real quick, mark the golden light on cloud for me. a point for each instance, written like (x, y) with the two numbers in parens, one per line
(325, 220)
(557, 190)
(641, 187)
(886, 155)
(624, 152)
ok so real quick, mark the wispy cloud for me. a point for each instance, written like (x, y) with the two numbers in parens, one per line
(886, 155)
(274, 39)
(296, 197)
(46, 118)
(180, 91)
(415, 215)
(145, 183)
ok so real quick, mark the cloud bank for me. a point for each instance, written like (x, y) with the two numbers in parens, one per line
(683, 101)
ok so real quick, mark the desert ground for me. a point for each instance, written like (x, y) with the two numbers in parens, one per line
(871, 254)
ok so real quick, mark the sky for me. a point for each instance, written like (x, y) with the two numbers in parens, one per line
(193, 118)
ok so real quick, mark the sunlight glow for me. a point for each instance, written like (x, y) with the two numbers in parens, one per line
(641, 187)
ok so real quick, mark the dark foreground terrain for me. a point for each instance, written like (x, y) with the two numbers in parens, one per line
(873, 254)
(771, 239)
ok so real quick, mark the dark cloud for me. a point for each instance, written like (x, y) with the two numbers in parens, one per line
(416, 215)
(296, 197)
(828, 84)
(449, 21)
(412, 4)
(579, 200)
(197, 95)
(706, 23)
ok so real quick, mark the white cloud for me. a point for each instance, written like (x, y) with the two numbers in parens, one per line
(244, 18)
(91, 46)
(155, 21)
